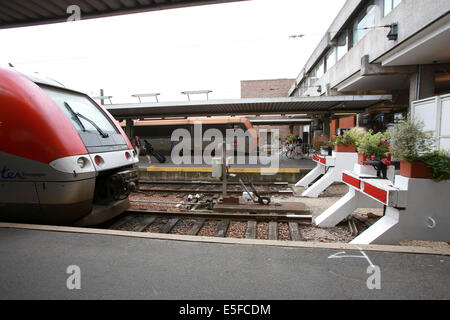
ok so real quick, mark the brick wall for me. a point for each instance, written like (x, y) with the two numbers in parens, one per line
(343, 123)
(275, 88)
(347, 122)
(334, 125)
(284, 130)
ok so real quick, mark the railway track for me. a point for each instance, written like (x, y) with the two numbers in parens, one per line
(231, 225)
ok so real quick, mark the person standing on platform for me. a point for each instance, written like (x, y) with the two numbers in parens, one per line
(137, 145)
(148, 151)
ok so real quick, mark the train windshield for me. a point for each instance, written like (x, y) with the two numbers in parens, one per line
(83, 113)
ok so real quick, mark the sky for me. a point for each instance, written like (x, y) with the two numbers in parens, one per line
(210, 47)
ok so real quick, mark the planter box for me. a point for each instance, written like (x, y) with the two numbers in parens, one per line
(362, 157)
(415, 169)
(342, 148)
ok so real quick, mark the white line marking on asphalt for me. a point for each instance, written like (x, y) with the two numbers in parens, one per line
(342, 254)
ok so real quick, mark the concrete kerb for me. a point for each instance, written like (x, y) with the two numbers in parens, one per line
(234, 241)
(291, 175)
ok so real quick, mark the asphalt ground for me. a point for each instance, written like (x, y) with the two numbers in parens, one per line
(38, 264)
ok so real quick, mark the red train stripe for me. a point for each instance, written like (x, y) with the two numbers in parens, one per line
(32, 125)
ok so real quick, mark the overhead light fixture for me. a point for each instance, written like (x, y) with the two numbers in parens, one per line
(393, 32)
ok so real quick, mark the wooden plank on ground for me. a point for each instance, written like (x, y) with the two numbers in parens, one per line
(273, 230)
(169, 225)
(222, 228)
(295, 234)
(196, 227)
(250, 233)
(144, 223)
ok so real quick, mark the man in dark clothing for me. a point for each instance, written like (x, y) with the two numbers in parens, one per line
(148, 150)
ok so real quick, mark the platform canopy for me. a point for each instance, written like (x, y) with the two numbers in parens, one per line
(303, 105)
(19, 13)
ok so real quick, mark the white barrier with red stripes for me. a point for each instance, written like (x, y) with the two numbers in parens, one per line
(416, 209)
(330, 168)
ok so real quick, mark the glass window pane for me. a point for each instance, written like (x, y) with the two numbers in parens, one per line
(445, 118)
(367, 21)
(387, 7)
(331, 58)
(342, 46)
(395, 3)
(320, 70)
(83, 105)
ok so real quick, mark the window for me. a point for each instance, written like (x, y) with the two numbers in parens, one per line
(367, 19)
(78, 103)
(330, 58)
(389, 5)
(320, 70)
(342, 46)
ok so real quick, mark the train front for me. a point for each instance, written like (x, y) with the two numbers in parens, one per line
(64, 159)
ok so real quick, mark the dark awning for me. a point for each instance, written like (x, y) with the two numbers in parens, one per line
(19, 13)
(304, 105)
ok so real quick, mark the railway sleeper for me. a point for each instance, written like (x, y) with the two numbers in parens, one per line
(222, 228)
(169, 225)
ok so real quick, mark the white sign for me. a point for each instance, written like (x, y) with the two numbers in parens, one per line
(435, 113)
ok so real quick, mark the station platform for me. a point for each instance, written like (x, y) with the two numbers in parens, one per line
(288, 170)
(117, 266)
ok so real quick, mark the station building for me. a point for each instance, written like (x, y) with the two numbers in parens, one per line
(286, 125)
(397, 47)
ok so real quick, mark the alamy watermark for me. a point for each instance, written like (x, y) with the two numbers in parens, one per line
(75, 13)
(73, 282)
(241, 147)
(373, 282)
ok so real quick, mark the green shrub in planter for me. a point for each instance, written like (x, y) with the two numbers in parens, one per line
(439, 162)
(350, 137)
(409, 141)
(411, 144)
(374, 145)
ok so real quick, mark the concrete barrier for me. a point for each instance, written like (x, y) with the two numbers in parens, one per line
(205, 174)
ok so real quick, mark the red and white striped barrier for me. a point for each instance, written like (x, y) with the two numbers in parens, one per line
(416, 209)
(330, 168)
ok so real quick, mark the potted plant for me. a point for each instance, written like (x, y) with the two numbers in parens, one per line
(439, 163)
(373, 146)
(349, 140)
(413, 147)
(290, 139)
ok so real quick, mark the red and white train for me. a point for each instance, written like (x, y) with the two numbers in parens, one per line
(63, 158)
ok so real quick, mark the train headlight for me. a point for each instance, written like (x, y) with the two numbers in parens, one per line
(82, 162)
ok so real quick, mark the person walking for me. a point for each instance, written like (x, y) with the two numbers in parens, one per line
(137, 145)
(148, 151)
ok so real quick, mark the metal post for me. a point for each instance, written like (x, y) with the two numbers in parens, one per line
(129, 128)
(224, 171)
